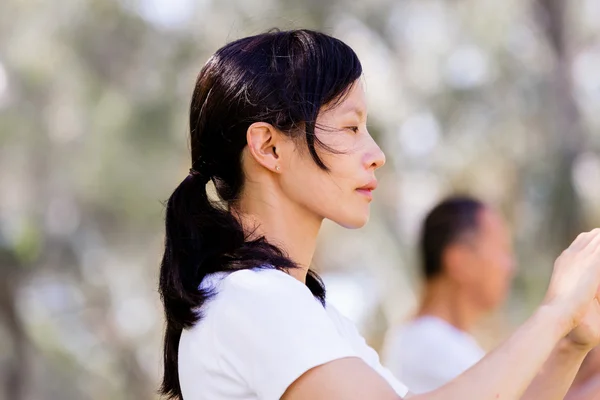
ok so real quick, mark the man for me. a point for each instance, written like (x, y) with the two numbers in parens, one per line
(468, 264)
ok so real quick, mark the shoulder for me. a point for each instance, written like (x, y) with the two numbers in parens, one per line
(422, 330)
(267, 317)
(426, 341)
(266, 296)
(336, 315)
(266, 304)
(350, 333)
(262, 284)
(254, 299)
(415, 341)
(261, 279)
(344, 325)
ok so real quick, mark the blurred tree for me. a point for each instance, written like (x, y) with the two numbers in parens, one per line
(564, 214)
(15, 370)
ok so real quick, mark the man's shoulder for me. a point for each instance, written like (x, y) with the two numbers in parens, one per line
(428, 334)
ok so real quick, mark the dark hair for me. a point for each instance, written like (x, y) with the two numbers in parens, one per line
(283, 78)
(448, 222)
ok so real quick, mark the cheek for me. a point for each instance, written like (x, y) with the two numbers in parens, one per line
(330, 194)
(491, 281)
(500, 278)
(504, 266)
(306, 184)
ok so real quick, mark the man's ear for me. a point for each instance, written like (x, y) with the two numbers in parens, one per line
(456, 262)
(265, 145)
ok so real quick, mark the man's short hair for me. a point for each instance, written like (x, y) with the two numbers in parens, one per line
(447, 223)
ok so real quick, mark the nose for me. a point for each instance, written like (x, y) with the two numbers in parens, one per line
(375, 157)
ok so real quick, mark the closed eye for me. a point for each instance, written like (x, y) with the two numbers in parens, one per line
(353, 128)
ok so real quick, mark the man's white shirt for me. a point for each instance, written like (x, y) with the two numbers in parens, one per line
(428, 352)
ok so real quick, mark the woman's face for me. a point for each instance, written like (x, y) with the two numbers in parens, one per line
(342, 194)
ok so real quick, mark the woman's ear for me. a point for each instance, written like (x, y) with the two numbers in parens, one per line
(267, 145)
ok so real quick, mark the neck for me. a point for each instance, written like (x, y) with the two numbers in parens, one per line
(444, 299)
(284, 224)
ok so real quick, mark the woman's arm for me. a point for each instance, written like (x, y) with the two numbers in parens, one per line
(589, 390)
(557, 374)
(503, 374)
(343, 379)
(506, 372)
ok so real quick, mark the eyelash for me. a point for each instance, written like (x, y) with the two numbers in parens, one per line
(353, 129)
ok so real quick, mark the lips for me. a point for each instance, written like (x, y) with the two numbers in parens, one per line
(367, 190)
(372, 185)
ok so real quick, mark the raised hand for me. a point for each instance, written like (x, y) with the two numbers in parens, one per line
(573, 289)
(587, 333)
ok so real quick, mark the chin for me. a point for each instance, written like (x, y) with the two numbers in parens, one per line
(494, 304)
(353, 222)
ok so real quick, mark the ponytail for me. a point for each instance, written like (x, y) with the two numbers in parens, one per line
(203, 238)
(179, 271)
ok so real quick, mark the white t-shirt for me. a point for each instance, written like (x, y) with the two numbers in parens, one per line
(259, 333)
(428, 352)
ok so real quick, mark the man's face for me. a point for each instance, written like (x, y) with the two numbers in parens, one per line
(490, 260)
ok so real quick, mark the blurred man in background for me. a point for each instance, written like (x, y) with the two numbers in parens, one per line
(468, 264)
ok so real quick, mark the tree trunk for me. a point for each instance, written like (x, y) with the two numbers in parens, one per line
(564, 214)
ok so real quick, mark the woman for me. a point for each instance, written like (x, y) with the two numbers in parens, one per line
(278, 124)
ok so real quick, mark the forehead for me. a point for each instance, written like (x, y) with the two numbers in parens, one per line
(353, 102)
(492, 225)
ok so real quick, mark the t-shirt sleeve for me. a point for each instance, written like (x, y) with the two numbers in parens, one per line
(366, 352)
(270, 330)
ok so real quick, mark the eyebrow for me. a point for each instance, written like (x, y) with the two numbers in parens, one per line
(354, 110)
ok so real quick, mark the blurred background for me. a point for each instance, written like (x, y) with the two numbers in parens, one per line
(498, 99)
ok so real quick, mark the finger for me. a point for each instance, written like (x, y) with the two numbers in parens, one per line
(592, 253)
(576, 244)
(584, 239)
(594, 243)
